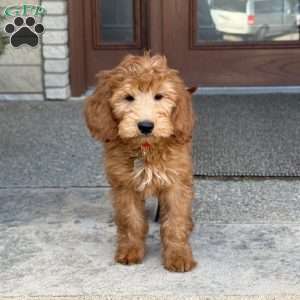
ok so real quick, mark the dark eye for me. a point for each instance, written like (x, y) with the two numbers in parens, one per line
(158, 97)
(129, 98)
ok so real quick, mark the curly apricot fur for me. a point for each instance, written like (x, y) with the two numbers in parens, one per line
(165, 170)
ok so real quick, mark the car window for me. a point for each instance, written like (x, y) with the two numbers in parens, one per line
(263, 7)
(270, 6)
(278, 6)
(230, 5)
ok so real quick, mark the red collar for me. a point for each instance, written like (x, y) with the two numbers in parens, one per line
(145, 147)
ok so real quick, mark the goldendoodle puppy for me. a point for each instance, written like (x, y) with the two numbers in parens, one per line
(142, 112)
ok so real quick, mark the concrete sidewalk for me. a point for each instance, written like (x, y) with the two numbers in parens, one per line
(60, 242)
(57, 235)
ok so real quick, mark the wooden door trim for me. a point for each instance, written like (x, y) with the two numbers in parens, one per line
(78, 74)
(155, 26)
(229, 45)
(139, 28)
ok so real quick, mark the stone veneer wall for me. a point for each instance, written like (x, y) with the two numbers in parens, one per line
(42, 72)
(55, 50)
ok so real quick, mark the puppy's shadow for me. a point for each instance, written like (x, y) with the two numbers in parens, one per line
(153, 245)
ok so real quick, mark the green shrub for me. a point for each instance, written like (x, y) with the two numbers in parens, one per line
(3, 38)
(1, 44)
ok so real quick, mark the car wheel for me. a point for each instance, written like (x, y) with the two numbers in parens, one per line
(261, 34)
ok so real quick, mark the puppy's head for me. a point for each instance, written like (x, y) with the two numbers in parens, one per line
(140, 99)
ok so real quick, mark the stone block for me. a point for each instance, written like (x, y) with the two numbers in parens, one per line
(56, 65)
(58, 93)
(20, 79)
(58, 52)
(55, 22)
(21, 97)
(55, 37)
(55, 7)
(21, 56)
(56, 80)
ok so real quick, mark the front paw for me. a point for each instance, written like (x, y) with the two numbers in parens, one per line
(130, 255)
(176, 260)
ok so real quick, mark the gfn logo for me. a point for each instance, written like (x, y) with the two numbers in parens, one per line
(24, 30)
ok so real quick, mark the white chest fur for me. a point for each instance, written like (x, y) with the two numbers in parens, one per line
(147, 174)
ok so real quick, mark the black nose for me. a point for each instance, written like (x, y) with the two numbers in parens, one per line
(146, 127)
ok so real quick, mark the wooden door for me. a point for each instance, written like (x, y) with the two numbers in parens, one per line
(212, 42)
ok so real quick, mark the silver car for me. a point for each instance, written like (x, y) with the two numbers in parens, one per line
(254, 19)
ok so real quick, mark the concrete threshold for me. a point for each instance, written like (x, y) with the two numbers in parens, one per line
(247, 90)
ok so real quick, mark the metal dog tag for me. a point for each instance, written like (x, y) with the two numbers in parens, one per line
(138, 164)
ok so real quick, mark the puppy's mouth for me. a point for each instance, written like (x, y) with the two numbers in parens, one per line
(146, 135)
(146, 142)
(146, 138)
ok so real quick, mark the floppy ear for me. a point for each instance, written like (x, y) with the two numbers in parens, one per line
(98, 113)
(183, 118)
(192, 90)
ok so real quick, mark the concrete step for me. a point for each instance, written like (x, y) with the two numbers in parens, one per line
(48, 146)
(247, 200)
(216, 201)
(60, 242)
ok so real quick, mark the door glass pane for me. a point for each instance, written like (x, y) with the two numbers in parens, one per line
(117, 21)
(247, 20)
